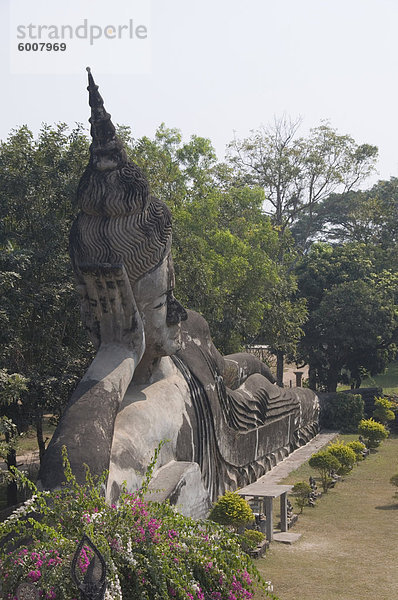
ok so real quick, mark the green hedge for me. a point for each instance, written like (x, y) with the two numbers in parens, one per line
(342, 412)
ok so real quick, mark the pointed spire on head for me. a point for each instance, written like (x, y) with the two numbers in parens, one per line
(106, 144)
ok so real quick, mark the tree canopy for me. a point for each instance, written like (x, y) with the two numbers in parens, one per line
(239, 230)
(297, 173)
(353, 318)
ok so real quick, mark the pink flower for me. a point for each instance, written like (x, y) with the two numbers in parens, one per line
(34, 575)
(172, 533)
(246, 577)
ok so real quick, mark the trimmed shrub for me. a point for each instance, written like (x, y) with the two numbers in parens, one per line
(383, 412)
(231, 509)
(394, 401)
(324, 462)
(345, 456)
(342, 412)
(251, 538)
(358, 448)
(372, 432)
(301, 492)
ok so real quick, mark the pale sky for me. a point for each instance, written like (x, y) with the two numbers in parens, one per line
(224, 66)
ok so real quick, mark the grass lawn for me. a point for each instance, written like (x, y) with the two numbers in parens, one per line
(348, 549)
(28, 441)
(388, 380)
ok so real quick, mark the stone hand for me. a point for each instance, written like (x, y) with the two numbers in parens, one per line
(109, 310)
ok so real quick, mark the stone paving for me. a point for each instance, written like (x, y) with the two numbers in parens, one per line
(297, 458)
(289, 464)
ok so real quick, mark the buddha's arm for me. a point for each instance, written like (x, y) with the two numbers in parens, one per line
(86, 428)
(240, 366)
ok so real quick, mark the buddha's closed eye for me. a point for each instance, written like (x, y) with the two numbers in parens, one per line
(160, 305)
(164, 298)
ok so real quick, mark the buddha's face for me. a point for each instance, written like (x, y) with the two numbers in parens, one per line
(160, 311)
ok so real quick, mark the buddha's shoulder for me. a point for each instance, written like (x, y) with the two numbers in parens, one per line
(195, 327)
(166, 380)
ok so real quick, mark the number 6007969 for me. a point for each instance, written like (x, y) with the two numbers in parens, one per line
(42, 47)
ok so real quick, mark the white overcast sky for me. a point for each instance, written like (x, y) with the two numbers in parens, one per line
(225, 66)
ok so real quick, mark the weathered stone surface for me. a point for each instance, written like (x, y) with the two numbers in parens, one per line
(287, 537)
(181, 483)
(157, 374)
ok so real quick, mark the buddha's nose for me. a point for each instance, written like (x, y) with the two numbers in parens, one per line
(175, 312)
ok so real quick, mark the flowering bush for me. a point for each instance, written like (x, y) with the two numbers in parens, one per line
(151, 551)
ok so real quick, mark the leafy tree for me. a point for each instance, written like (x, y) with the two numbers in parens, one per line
(345, 455)
(11, 388)
(301, 492)
(326, 265)
(352, 325)
(362, 216)
(324, 463)
(285, 312)
(40, 335)
(224, 265)
(352, 329)
(297, 173)
(372, 432)
(224, 246)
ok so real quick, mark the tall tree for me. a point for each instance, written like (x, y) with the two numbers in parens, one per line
(353, 314)
(40, 337)
(11, 388)
(224, 246)
(365, 216)
(297, 173)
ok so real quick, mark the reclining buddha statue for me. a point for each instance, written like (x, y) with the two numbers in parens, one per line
(157, 375)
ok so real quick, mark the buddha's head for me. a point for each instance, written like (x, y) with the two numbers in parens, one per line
(120, 222)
